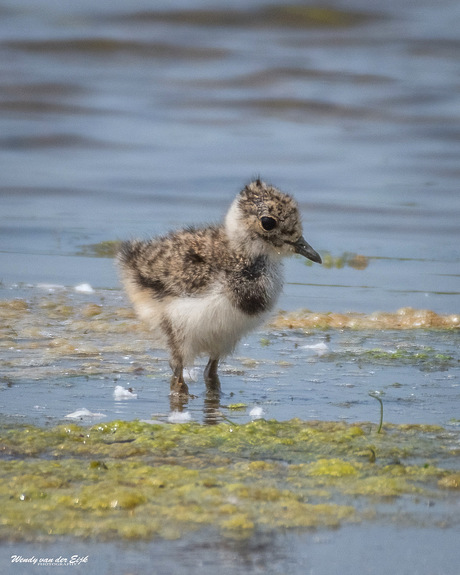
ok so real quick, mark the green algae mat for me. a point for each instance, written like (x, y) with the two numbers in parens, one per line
(138, 480)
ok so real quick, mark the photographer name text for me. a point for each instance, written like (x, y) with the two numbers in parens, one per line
(51, 561)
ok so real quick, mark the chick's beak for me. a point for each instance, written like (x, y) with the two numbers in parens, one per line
(304, 249)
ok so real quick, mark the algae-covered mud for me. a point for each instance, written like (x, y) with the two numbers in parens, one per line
(96, 463)
(140, 481)
(91, 447)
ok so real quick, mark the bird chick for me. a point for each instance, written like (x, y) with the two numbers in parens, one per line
(204, 288)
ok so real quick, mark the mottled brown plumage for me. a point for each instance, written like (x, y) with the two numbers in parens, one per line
(202, 289)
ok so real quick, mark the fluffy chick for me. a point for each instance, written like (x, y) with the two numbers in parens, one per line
(203, 289)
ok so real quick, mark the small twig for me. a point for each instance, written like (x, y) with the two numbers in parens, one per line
(226, 419)
(376, 395)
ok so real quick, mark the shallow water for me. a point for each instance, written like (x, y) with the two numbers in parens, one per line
(112, 115)
(128, 120)
(315, 553)
(64, 350)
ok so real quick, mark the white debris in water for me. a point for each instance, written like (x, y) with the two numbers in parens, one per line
(179, 417)
(120, 393)
(191, 374)
(84, 413)
(84, 288)
(320, 348)
(256, 412)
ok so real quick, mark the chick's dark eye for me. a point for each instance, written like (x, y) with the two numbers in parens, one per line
(268, 223)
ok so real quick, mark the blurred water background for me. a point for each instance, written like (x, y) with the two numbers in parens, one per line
(122, 119)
